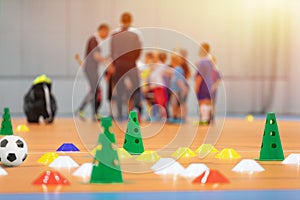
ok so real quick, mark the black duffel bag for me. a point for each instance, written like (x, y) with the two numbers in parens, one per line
(39, 101)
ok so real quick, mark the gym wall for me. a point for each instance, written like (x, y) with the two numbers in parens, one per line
(255, 43)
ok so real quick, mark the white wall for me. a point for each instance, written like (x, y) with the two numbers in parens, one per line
(255, 42)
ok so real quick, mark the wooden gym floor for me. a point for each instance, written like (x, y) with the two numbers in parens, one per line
(243, 136)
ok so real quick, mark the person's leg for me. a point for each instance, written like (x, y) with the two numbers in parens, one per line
(173, 104)
(184, 111)
(132, 83)
(109, 94)
(160, 100)
(168, 96)
(149, 103)
(138, 100)
(135, 102)
(93, 81)
(85, 101)
(137, 96)
(116, 96)
(98, 102)
(213, 106)
(130, 104)
(184, 107)
(205, 110)
(119, 99)
(178, 112)
(178, 107)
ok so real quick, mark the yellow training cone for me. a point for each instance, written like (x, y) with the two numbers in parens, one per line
(123, 154)
(250, 118)
(22, 128)
(47, 158)
(206, 149)
(184, 152)
(148, 156)
(228, 154)
(98, 147)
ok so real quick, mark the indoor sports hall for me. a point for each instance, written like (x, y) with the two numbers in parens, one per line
(132, 99)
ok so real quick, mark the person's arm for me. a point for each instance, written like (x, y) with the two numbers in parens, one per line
(139, 43)
(169, 71)
(199, 76)
(112, 48)
(198, 81)
(217, 78)
(78, 59)
(99, 58)
(215, 85)
(182, 87)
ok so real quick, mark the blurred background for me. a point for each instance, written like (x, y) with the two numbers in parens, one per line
(256, 44)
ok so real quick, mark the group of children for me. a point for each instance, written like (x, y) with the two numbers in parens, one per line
(164, 77)
(165, 86)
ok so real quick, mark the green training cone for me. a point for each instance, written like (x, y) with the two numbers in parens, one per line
(133, 142)
(106, 168)
(271, 148)
(6, 127)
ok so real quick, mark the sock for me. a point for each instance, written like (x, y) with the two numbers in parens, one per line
(205, 113)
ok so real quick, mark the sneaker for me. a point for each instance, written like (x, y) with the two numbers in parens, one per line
(171, 120)
(179, 121)
(120, 119)
(97, 117)
(154, 119)
(81, 115)
(148, 119)
(203, 123)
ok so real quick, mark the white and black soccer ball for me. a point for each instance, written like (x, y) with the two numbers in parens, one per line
(13, 150)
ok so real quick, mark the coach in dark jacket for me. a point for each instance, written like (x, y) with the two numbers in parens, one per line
(126, 47)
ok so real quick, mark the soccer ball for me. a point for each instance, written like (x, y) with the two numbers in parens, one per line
(13, 150)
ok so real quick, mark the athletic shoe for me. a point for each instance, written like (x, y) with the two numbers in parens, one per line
(179, 121)
(170, 120)
(203, 123)
(81, 115)
(97, 117)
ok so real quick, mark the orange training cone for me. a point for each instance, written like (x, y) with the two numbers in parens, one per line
(51, 178)
(211, 177)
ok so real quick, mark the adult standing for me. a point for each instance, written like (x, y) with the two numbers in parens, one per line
(126, 46)
(90, 66)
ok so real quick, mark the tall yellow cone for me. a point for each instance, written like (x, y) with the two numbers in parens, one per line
(184, 152)
(228, 154)
(148, 156)
(47, 158)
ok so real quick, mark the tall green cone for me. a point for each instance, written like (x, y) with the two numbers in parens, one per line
(133, 142)
(271, 148)
(107, 167)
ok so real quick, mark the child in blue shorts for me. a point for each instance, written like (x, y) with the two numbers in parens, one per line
(179, 89)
